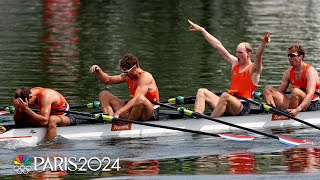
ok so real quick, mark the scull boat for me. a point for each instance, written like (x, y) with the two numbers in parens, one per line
(32, 136)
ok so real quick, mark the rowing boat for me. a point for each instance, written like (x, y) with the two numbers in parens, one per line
(32, 136)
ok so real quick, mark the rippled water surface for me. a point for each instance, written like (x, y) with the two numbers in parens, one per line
(52, 43)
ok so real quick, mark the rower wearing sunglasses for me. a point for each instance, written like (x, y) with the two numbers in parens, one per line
(304, 81)
(142, 87)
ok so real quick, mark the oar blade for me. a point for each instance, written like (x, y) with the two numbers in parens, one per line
(237, 137)
(294, 142)
(4, 112)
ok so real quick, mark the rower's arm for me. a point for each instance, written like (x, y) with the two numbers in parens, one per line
(312, 79)
(105, 78)
(285, 82)
(257, 64)
(232, 60)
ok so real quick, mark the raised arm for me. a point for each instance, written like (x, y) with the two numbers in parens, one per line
(105, 78)
(232, 60)
(257, 64)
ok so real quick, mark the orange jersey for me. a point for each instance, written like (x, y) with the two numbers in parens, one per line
(302, 81)
(62, 105)
(242, 82)
(153, 96)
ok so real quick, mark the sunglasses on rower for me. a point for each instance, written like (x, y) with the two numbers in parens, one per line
(128, 71)
(293, 55)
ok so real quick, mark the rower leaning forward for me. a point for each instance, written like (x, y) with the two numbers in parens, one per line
(142, 87)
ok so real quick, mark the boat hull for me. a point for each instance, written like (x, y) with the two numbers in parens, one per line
(32, 136)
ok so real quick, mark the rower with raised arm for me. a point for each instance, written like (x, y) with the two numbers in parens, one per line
(45, 100)
(304, 81)
(142, 87)
(244, 78)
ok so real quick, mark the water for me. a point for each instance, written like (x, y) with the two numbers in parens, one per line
(52, 43)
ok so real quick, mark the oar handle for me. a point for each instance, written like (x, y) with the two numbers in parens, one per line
(94, 104)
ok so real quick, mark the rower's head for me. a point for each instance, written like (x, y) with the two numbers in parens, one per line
(128, 65)
(295, 54)
(25, 94)
(243, 52)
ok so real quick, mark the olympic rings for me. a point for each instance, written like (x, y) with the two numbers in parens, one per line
(22, 169)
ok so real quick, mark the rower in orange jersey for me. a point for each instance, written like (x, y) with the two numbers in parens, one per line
(304, 81)
(245, 77)
(45, 100)
(142, 88)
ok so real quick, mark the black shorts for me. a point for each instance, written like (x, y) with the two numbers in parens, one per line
(72, 118)
(155, 115)
(314, 106)
(246, 108)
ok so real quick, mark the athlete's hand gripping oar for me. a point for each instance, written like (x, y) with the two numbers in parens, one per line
(276, 110)
(113, 119)
(282, 139)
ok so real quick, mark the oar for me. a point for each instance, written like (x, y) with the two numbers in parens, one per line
(94, 104)
(113, 119)
(276, 110)
(282, 139)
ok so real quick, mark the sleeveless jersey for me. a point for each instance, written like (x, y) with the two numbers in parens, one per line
(241, 81)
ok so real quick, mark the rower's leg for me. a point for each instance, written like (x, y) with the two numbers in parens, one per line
(229, 104)
(205, 96)
(142, 109)
(276, 98)
(297, 96)
(110, 103)
(55, 121)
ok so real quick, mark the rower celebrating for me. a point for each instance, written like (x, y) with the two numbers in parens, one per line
(304, 81)
(142, 87)
(244, 80)
(46, 101)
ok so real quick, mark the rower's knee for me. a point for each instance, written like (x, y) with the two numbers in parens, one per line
(140, 100)
(267, 90)
(295, 93)
(201, 92)
(104, 95)
(225, 97)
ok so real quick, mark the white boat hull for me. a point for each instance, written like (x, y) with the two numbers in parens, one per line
(32, 136)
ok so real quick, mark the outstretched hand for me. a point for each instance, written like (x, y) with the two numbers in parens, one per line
(195, 27)
(266, 37)
(94, 68)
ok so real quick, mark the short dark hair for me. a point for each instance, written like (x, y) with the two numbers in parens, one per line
(297, 47)
(128, 61)
(22, 93)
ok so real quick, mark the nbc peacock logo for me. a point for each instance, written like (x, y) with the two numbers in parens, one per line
(22, 164)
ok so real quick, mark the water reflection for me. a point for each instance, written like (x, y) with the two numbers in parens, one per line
(60, 48)
(301, 159)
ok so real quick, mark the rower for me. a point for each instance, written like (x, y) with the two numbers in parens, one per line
(244, 78)
(45, 100)
(304, 81)
(142, 88)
